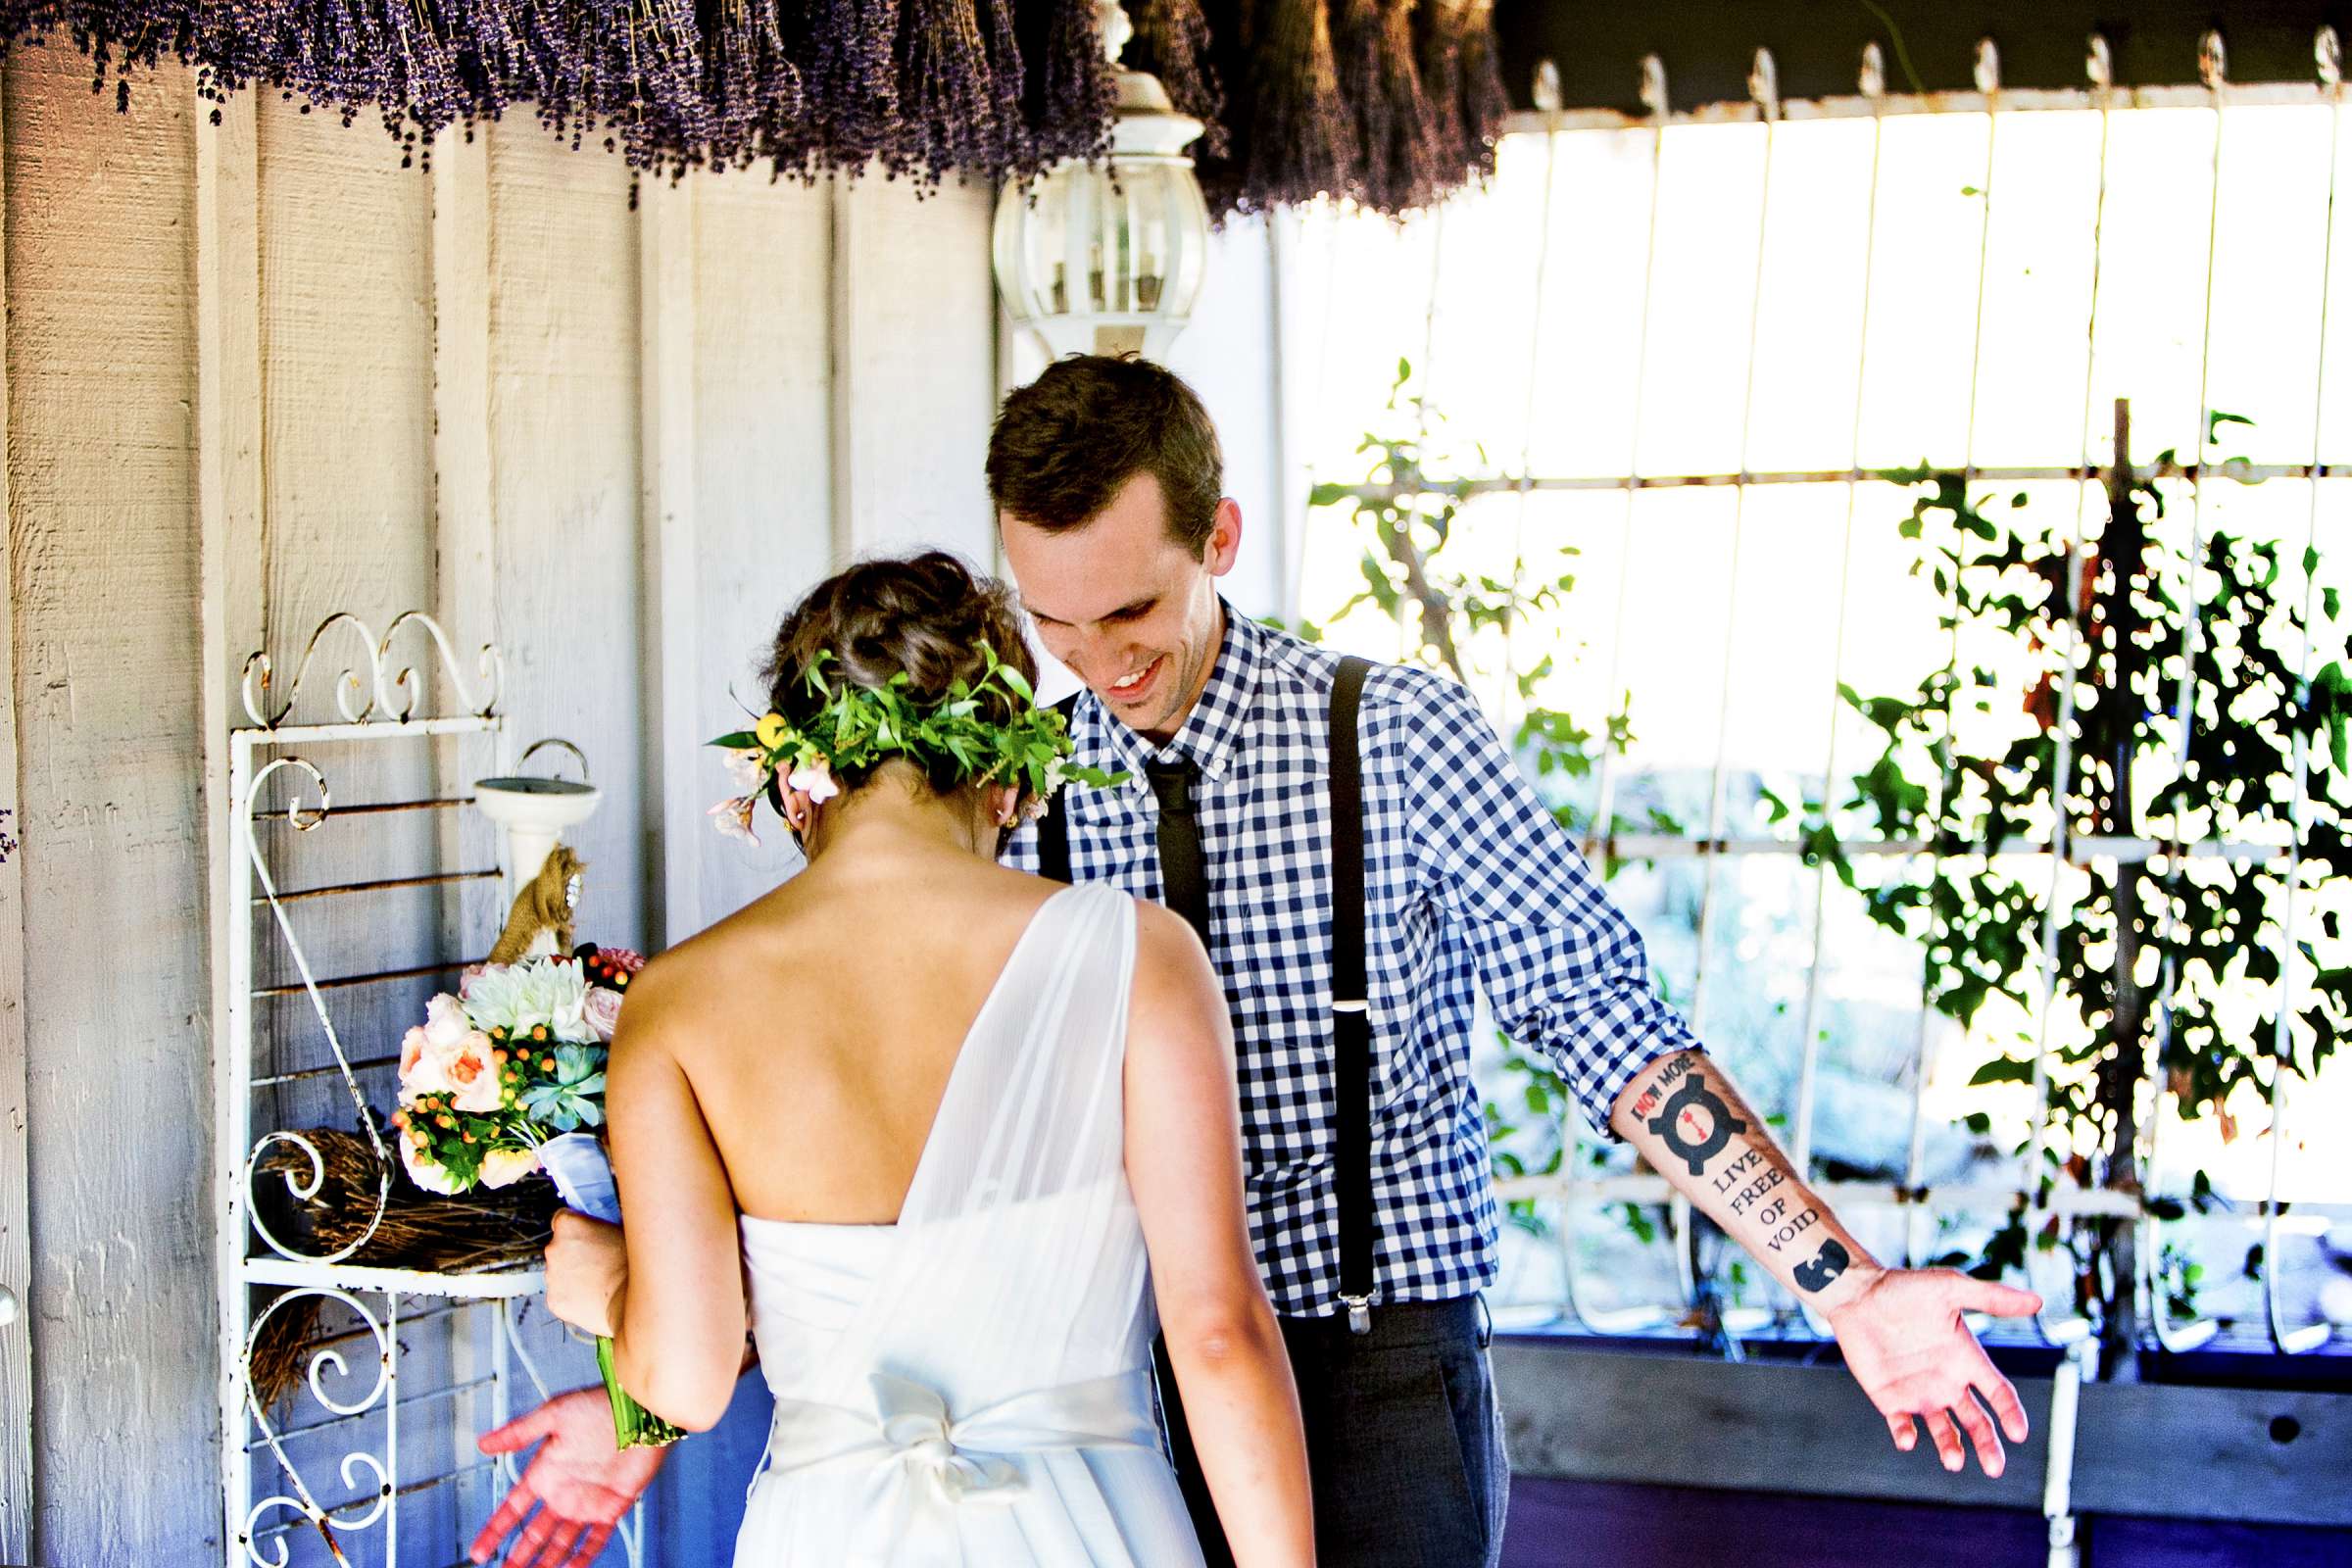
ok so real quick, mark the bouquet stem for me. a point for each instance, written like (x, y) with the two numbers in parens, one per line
(633, 1425)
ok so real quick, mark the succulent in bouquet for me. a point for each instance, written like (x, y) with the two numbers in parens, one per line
(506, 1078)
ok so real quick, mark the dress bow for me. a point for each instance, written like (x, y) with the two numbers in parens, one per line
(915, 1424)
(923, 1462)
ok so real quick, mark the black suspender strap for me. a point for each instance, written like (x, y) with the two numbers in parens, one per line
(1054, 829)
(1350, 1017)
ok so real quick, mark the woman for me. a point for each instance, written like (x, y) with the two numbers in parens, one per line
(934, 1112)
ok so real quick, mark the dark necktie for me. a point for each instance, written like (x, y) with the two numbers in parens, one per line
(1180, 871)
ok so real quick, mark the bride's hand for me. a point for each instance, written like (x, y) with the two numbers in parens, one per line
(587, 1267)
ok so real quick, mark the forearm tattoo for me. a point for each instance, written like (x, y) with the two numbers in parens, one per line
(1816, 1274)
(1697, 1126)
(1695, 1122)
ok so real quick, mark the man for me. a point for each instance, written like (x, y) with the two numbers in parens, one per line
(1367, 1162)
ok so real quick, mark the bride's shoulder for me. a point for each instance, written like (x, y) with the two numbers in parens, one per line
(703, 978)
(1172, 973)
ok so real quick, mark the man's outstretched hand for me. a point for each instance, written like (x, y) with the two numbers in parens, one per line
(579, 1482)
(1906, 1343)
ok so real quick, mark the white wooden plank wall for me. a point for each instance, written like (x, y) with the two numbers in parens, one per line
(106, 588)
(15, 1236)
(257, 372)
(763, 466)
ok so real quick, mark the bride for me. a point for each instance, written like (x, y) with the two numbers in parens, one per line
(917, 1122)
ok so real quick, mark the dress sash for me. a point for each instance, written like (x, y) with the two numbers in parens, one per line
(919, 1462)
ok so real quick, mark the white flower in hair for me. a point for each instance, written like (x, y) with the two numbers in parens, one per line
(734, 819)
(814, 780)
(747, 770)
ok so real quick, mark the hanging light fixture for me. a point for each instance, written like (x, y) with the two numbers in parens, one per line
(1109, 260)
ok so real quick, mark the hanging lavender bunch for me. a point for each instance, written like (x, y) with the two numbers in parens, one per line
(749, 79)
(1172, 42)
(1302, 136)
(1223, 172)
(1459, 77)
(950, 107)
(850, 80)
(925, 86)
(1485, 103)
(1077, 90)
(648, 63)
(1400, 163)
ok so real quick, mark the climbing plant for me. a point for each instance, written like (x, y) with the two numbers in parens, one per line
(2060, 699)
(2166, 958)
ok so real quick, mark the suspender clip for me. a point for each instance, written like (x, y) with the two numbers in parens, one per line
(1360, 1314)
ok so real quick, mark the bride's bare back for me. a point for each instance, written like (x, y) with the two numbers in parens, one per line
(818, 1025)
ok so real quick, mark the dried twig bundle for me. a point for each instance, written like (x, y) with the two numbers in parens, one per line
(483, 1230)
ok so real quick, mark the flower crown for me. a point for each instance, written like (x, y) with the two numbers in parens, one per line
(858, 726)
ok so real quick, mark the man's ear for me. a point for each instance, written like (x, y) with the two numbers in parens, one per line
(1225, 538)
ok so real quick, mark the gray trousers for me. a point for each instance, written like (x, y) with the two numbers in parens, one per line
(1404, 1440)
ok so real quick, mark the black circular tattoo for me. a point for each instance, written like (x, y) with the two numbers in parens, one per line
(1696, 1124)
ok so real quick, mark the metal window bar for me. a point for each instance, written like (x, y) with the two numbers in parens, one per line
(2310, 1336)
(2063, 848)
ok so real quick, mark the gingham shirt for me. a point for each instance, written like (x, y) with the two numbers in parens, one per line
(1469, 883)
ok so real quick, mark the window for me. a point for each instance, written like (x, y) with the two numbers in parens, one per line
(1684, 356)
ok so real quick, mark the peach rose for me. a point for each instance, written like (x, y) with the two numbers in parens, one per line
(419, 1065)
(472, 1074)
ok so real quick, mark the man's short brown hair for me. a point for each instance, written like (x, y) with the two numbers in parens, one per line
(1064, 445)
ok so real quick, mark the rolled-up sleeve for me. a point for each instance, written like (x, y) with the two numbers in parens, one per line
(1562, 969)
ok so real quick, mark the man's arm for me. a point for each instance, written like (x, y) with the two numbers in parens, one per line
(1900, 1329)
(1565, 974)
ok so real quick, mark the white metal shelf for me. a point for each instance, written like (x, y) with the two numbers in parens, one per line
(489, 1285)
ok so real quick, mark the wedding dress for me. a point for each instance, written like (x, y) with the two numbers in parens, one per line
(971, 1386)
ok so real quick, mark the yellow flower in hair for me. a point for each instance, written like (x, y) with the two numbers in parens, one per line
(771, 730)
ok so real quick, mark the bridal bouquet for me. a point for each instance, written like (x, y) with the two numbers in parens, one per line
(500, 1080)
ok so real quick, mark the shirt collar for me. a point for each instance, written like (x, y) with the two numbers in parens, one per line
(1211, 732)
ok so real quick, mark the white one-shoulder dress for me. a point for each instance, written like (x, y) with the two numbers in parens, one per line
(971, 1387)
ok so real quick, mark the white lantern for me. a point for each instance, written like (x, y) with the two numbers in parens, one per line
(1109, 260)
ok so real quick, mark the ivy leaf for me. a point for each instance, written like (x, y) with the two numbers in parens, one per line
(2214, 418)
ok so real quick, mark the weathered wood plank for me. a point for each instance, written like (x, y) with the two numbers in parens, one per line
(914, 368)
(465, 521)
(564, 454)
(228, 503)
(16, 1235)
(666, 523)
(763, 472)
(105, 583)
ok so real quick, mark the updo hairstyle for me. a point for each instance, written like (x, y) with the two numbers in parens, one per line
(925, 615)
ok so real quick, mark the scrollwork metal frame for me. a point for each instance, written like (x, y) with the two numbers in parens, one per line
(373, 701)
(377, 702)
